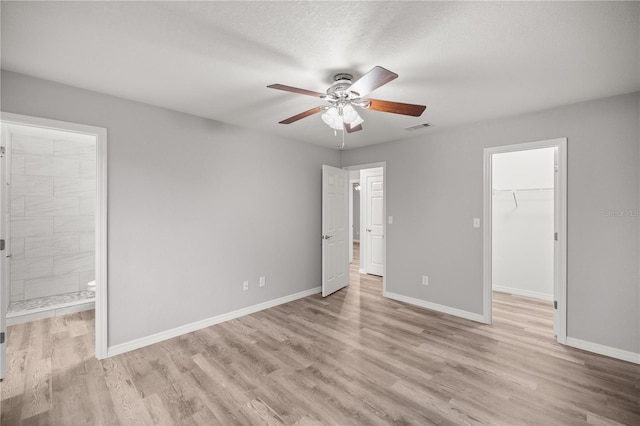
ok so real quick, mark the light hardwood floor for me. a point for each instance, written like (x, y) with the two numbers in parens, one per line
(352, 358)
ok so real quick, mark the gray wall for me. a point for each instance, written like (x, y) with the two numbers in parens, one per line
(434, 189)
(195, 208)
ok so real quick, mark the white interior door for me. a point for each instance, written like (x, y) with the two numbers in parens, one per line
(4, 295)
(556, 243)
(335, 233)
(374, 221)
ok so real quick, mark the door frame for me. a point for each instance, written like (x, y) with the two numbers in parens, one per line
(382, 164)
(100, 135)
(560, 224)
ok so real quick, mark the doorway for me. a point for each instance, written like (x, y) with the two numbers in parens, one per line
(366, 218)
(54, 222)
(525, 225)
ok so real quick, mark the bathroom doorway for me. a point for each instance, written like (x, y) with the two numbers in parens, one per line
(54, 213)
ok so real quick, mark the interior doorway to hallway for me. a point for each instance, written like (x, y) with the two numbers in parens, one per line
(367, 212)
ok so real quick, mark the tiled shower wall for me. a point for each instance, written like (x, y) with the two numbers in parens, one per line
(53, 197)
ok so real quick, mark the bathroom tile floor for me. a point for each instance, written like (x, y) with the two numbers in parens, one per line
(44, 302)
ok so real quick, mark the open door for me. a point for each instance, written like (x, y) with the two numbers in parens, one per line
(374, 221)
(556, 243)
(335, 232)
(4, 299)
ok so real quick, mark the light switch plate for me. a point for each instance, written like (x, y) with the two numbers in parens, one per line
(390, 220)
(476, 222)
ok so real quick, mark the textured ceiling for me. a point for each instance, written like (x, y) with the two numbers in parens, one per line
(467, 61)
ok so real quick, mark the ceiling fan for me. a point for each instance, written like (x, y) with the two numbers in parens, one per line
(344, 94)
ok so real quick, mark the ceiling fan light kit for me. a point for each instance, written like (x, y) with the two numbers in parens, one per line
(344, 94)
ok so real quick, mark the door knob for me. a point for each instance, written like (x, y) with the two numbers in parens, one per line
(326, 237)
(368, 230)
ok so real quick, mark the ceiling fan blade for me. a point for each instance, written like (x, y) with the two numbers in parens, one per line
(296, 90)
(369, 82)
(396, 107)
(301, 115)
(350, 129)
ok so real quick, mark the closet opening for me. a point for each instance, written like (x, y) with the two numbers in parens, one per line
(525, 233)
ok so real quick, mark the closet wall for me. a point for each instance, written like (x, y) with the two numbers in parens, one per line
(523, 225)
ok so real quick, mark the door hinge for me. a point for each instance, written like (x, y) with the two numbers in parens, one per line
(555, 236)
(555, 304)
(2, 338)
(1, 245)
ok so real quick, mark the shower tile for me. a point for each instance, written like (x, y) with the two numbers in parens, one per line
(17, 248)
(72, 263)
(75, 149)
(50, 301)
(17, 206)
(50, 286)
(51, 206)
(51, 246)
(75, 224)
(28, 268)
(17, 164)
(31, 227)
(16, 290)
(32, 185)
(21, 144)
(87, 206)
(87, 242)
(43, 165)
(72, 187)
(88, 168)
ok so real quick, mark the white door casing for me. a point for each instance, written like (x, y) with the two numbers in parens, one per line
(373, 181)
(335, 233)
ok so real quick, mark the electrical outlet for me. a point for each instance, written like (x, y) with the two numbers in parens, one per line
(263, 281)
(425, 280)
(245, 285)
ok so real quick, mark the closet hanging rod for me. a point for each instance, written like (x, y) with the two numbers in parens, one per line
(523, 189)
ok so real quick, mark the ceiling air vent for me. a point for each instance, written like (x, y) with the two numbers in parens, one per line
(417, 127)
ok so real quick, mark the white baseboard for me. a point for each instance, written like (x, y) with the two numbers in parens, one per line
(362, 271)
(188, 328)
(435, 307)
(604, 350)
(525, 293)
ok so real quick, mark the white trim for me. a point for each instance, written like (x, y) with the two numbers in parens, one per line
(525, 293)
(198, 325)
(560, 260)
(604, 350)
(100, 135)
(435, 307)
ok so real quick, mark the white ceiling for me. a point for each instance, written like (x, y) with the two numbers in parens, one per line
(467, 61)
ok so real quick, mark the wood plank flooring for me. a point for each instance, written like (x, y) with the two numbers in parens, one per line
(352, 358)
